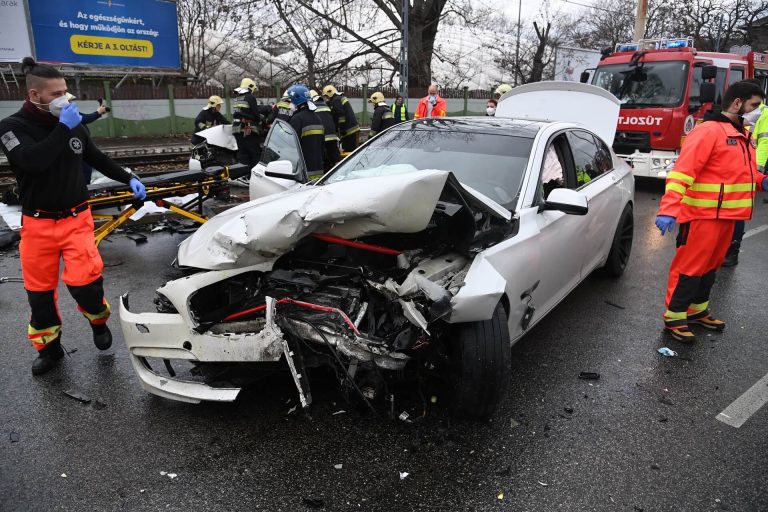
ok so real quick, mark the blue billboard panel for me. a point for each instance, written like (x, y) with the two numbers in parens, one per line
(141, 33)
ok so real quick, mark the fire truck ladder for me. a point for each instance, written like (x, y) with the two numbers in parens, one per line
(8, 76)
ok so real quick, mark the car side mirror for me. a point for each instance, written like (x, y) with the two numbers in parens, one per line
(707, 91)
(567, 201)
(584, 77)
(708, 72)
(281, 169)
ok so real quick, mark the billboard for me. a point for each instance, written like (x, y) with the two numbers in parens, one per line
(141, 33)
(14, 36)
(570, 62)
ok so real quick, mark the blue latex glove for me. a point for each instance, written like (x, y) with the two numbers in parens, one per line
(139, 191)
(70, 116)
(665, 223)
(765, 183)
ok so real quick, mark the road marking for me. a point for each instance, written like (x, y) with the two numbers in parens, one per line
(746, 405)
(754, 231)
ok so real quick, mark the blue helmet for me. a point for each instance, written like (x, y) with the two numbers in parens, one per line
(299, 94)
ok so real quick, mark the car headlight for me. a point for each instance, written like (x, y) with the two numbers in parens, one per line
(656, 162)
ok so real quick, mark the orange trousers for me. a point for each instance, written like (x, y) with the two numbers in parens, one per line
(44, 243)
(701, 248)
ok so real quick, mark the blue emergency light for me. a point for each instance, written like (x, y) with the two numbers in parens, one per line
(678, 43)
(631, 47)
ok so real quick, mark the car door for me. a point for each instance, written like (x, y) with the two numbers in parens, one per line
(595, 178)
(281, 143)
(559, 236)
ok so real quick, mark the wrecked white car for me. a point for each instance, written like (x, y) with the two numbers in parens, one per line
(436, 244)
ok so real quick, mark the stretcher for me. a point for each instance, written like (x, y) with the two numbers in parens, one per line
(205, 184)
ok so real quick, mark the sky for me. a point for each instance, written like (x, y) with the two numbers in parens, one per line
(530, 8)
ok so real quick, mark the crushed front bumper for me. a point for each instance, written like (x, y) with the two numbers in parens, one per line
(167, 336)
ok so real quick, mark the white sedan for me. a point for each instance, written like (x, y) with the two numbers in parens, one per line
(436, 245)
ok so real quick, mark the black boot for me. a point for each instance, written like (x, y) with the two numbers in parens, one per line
(47, 357)
(102, 337)
(732, 256)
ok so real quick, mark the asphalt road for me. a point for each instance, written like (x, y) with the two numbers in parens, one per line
(643, 437)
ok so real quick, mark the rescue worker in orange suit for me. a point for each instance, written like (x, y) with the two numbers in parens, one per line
(309, 127)
(46, 145)
(711, 187)
(431, 105)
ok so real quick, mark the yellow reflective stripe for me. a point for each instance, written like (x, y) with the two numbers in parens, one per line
(676, 187)
(307, 133)
(675, 315)
(730, 187)
(387, 115)
(44, 335)
(98, 316)
(674, 175)
(698, 308)
(761, 135)
(342, 119)
(331, 138)
(712, 203)
(344, 101)
(352, 130)
(322, 109)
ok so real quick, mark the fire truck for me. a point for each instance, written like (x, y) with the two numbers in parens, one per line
(665, 87)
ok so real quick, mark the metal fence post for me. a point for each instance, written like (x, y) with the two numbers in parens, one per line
(364, 121)
(172, 108)
(466, 100)
(108, 102)
(278, 94)
(227, 102)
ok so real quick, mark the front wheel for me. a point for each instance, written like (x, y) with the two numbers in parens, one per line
(480, 365)
(621, 247)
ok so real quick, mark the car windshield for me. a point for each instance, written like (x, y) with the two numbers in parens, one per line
(649, 84)
(491, 163)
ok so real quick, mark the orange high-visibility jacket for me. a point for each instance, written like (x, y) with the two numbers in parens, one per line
(715, 176)
(439, 110)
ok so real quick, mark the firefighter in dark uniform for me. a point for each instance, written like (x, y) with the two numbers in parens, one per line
(309, 128)
(209, 117)
(343, 117)
(46, 144)
(331, 155)
(383, 117)
(282, 109)
(249, 119)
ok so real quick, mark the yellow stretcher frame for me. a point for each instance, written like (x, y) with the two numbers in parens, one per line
(206, 187)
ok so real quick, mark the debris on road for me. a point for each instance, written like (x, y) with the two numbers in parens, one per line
(63, 475)
(569, 410)
(313, 502)
(617, 306)
(589, 375)
(138, 238)
(666, 401)
(513, 423)
(169, 475)
(340, 411)
(338, 466)
(77, 395)
(14, 437)
(500, 496)
(404, 416)
(543, 483)
(292, 409)
(403, 475)
(655, 466)
(99, 405)
(8, 237)
(667, 352)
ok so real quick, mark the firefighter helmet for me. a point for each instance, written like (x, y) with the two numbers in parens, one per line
(299, 94)
(501, 90)
(246, 84)
(214, 101)
(329, 91)
(376, 98)
(313, 94)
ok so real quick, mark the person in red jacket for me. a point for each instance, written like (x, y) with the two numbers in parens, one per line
(431, 105)
(711, 187)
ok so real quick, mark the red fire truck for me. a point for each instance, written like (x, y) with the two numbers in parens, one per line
(665, 87)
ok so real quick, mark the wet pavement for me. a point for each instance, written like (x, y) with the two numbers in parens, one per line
(641, 438)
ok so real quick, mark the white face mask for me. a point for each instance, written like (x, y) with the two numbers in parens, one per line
(55, 106)
(751, 118)
(491, 111)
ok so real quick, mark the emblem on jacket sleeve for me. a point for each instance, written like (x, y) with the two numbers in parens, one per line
(76, 145)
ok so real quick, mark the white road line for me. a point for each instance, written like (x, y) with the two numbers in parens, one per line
(746, 405)
(754, 231)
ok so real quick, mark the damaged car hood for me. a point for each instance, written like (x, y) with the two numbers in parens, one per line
(268, 227)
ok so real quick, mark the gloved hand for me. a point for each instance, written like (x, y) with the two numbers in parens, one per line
(765, 183)
(70, 116)
(139, 191)
(665, 223)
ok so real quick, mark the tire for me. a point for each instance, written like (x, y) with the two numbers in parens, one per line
(621, 248)
(480, 365)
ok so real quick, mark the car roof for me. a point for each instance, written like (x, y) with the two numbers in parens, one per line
(477, 124)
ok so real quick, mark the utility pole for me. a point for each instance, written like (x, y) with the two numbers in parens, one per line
(719, 19)
(641, 19)
(517, 44)
(404, 51)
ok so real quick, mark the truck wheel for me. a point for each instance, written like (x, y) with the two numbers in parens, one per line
(621, 247)
(480, 365)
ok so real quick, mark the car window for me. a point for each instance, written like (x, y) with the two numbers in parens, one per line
(552, 172)
(491, 163)
(282, 144)
(590, 159)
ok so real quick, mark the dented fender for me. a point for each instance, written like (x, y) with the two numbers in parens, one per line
(482, 291)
